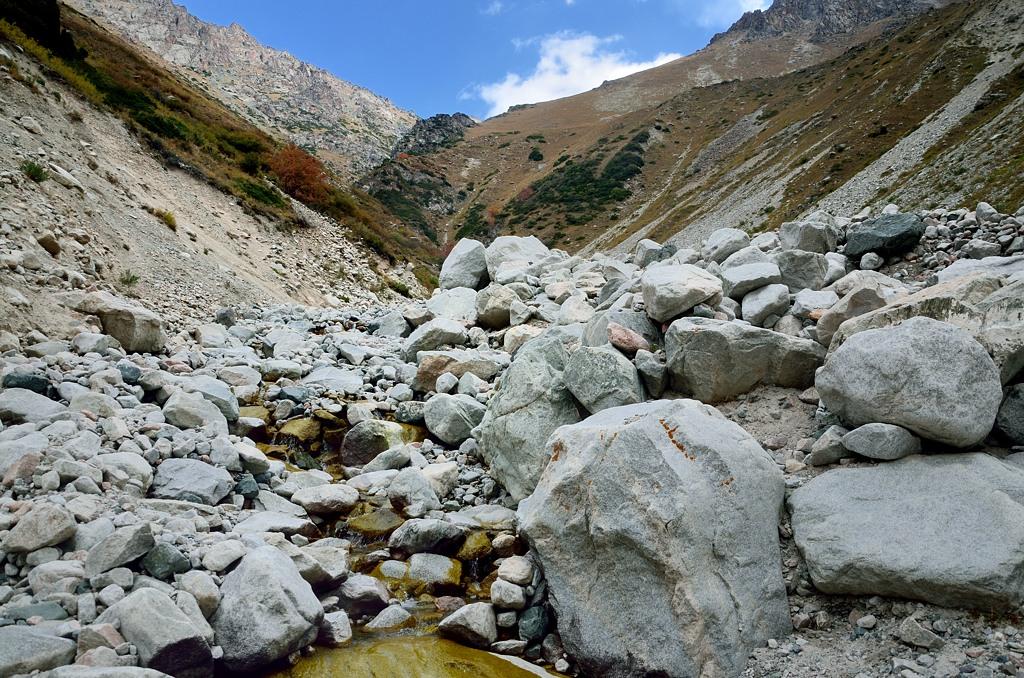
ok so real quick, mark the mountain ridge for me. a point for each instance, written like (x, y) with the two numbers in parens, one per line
(351, 128)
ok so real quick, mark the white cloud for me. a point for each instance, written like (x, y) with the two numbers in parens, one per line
(569, 63)
(722, 13)
(494, 8)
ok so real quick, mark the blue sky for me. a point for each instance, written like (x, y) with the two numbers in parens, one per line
(479, 56)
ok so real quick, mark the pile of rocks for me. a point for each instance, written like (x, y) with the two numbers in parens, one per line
(145, 470)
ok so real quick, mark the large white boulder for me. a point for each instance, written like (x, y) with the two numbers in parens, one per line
(660, 516)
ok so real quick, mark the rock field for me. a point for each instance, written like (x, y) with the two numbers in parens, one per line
(792, 454)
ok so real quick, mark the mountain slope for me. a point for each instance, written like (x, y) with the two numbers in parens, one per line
(351, 128)
(117, 175)
(753, 150)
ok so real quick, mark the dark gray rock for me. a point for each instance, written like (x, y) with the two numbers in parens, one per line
(886, 235)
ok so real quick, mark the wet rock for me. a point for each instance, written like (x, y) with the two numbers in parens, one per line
(420, 535)
(472, 624)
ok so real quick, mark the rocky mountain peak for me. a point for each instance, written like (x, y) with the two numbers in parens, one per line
(352, 128)
(820, 18)
(434, 132)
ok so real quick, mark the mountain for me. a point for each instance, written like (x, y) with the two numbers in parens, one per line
(820, 19)
(844, 103)
(350, 127)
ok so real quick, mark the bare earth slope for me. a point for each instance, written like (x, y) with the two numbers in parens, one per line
(99, 224)
(351, 127)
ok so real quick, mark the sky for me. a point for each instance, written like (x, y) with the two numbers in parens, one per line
(479, 56)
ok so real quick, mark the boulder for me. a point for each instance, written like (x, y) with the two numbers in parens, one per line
(801, 270)
(465, 266)
(808, 236)
(412, 493)
(531, 402)
(887, 235)
(20, 405)
(924, 375)
(45, 524)
(474, 624)
(120, 548)
(692, 538)
(1002, 266)
(138, 329)
(858, 301)
(266, 612)
(600, 377)
(604, 325)
(493, 306)
(947, 529)
(451, 418)
(165, 637)
(335, 629)
(1010, 420)
(828, 448)
(884, 442)
(368, 438)
(427, 535)
(191, 480)
(459, 362)
(669, 291)
(739, 280)
(716, 360)
(327, 499)
(24, 649)
(458, 304)
(810, 304)
(510, 249)
(335, 379)
(760, 305)
(432, 335)
(192, 410)
(723, 242)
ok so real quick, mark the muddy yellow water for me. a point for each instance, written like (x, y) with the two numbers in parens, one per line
(405, 657)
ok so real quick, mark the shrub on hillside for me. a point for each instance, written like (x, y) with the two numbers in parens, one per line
(299, 174)
(34, 171)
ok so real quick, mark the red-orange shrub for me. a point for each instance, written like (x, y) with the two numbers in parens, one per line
(299, 174)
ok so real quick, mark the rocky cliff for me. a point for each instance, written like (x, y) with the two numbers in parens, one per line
(821, 18)
(351, 127)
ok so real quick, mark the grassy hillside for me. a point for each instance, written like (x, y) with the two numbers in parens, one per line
(750, 152)
(189, 129)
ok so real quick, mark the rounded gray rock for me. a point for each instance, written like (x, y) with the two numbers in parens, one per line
(927, 376)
